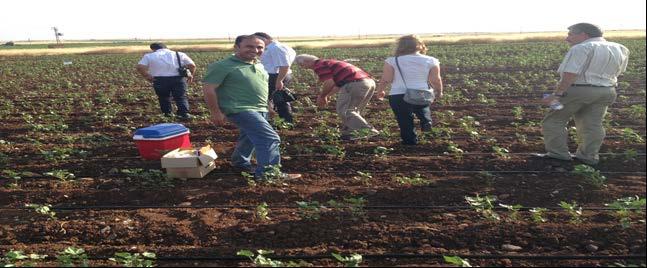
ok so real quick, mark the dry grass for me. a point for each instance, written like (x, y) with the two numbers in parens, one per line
(347, 42)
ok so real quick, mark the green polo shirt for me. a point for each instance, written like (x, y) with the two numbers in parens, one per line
(242, 86)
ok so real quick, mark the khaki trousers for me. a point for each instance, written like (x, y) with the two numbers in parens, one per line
(351, 101)
(587, 105)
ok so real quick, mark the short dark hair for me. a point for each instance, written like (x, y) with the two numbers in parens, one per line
(591, 30)
(263, 35)
(240, 38)
(157, 45)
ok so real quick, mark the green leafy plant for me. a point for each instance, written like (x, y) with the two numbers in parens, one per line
(15, 176)
(382, 151)
(335, 150)
(17, 258)
(263, 212)
(61, 174)
(470, 126)
(537, 215)
(453, 149)
(488, 177)
(501, 153)
(72, 257)
(249, 177)
(354, 205)
(349, 261)
(280, 123)
(152, 178)
(590, 175)
(260, 259)
(514, 211)
(630, 136)
(626, 207)
(573, 210)
(45, 209)
(416, 180)
(309, 210)
(127, 259)
(630, 154)
(517, 111)
(364, 177)
(456, 261)
(483, 205)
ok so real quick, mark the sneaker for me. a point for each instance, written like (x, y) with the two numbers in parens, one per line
(547, 156)
(184, 116)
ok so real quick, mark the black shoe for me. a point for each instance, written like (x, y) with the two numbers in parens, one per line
(426, 128)
(168, 115)
(184, 116)
(547, 156)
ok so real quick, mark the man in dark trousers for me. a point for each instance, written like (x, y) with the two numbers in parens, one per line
(277, 59)
(161, 68)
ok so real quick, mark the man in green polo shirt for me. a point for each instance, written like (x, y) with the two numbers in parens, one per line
(235, 89)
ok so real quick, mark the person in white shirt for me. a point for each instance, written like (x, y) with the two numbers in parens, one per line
(160, 67)
(277, 59)
(412, 70)
(589, 73)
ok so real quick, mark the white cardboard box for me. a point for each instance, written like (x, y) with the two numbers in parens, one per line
(189, 163)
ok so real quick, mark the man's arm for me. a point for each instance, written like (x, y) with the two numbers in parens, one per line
(385, 81)
(436, 81)
(327, 89)
(283, 71)
(143, 71)
(191, 68)
(567, 80)
(211, 97)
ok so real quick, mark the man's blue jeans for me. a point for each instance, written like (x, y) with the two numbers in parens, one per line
(256, 134)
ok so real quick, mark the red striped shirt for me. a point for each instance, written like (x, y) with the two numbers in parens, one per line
(341, 72)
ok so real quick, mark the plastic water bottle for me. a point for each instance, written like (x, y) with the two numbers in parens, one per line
(554, 104)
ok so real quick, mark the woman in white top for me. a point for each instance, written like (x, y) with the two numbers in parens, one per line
(419, 71)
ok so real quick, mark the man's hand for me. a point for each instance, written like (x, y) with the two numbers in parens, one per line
(218, 118)
(380, 95)
(189, 79)
(279, 85)
(322, 101)
(439, 94)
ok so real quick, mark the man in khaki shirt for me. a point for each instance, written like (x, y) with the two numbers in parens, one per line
(589, 73)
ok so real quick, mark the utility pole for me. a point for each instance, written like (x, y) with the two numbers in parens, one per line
(58, 40)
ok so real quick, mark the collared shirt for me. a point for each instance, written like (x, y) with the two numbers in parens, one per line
(596, 62)
(277, 55)
(415, 69)
(163, 62)
(242, 86)
(340, 72)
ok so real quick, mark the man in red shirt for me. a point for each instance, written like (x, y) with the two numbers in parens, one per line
(355, 87)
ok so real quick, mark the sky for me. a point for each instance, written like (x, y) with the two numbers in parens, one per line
(165, 19)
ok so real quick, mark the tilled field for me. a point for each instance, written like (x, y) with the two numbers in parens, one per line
(389, 203)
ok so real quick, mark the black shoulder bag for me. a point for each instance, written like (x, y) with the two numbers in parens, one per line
(183, 71)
